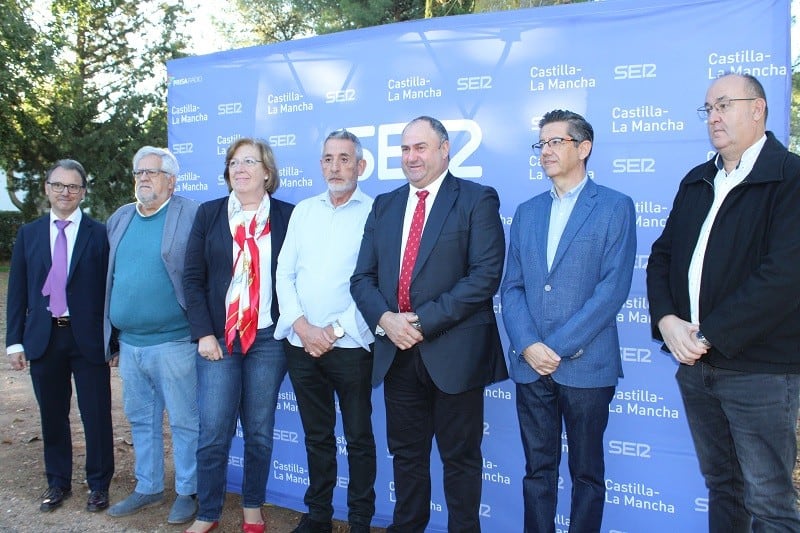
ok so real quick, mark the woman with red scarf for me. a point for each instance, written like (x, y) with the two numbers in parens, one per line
(229, 280)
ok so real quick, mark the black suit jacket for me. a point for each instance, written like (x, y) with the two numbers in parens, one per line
(455, 278)
(209, 264)
(29, 319)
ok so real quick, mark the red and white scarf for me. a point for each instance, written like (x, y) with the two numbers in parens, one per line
(244, 290)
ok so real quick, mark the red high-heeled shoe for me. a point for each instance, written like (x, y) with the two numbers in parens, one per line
(248, 527)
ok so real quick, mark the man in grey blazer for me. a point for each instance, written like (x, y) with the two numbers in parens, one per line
(568, 272)
(145, 305)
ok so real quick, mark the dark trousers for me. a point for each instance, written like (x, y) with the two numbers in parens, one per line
(52, 384)
(541, 406)
(416, 411)
(347, 373)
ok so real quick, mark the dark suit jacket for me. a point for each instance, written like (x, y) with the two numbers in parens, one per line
(455, 278)
(29, 320)
(209, 264)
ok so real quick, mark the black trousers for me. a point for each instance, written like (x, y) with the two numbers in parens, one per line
(416, 411)
(52, 384)
(347, 372)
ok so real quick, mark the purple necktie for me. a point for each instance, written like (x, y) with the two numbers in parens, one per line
(56, 283)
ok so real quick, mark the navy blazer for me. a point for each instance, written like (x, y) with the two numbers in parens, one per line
(29, 319)
(571, 307)
(455, 278)
(209, 264)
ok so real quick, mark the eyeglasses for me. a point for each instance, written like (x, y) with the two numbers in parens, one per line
(248, 162)
(721, 106)
(553, 143)
(149, 172)
(59, 187)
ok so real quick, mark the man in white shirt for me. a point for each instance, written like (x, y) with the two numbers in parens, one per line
(724, 288)
(327, 340)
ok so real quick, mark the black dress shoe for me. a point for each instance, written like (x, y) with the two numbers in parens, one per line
(98, 501)
(52, 498)
(309, 525)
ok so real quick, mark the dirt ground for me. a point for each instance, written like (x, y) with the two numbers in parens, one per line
(22, 477)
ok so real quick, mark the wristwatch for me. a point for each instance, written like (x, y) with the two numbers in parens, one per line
(338, 330)
(702, 338)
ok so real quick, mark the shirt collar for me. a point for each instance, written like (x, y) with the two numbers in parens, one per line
(432, 188)
(748, 157)
(358, 196)
(74, 217)
(572, 193)
(157, 211)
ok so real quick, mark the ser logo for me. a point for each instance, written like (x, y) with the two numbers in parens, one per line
(335, 97)
(473, 83)
(289, 139)
(635, 72)
(183, 148)
(486, 428)
(701, 505)
(642, 165)
(385, 157)
(231, 108)
(629, 449)
(635, 355)
(285, 436)
(485, 510)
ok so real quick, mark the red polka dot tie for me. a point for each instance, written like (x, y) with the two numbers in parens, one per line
(410, 255)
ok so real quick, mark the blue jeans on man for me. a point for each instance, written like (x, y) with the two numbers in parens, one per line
(541, 406)
(244, 387)
(154, 378)
(743, 426)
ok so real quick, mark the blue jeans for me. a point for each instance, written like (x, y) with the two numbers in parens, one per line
(246, 386)
(743, 426)
(541, 405)
(154, 378)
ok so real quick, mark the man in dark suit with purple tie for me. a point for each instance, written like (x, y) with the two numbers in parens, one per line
(56, 291)
(430, 264)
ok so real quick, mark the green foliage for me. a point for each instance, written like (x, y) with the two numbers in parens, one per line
(98, 99)
(269, 21)
(10, 221)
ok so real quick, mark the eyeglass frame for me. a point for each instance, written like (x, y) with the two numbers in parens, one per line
(149, 172)
(704, 111)
(538, 147)
(247, 162)
(58, 187)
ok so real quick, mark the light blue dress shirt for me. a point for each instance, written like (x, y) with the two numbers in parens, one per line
(316, 261)
(560, 210)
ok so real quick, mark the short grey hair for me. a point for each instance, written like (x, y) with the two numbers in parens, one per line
(169, 163)
(347, 136)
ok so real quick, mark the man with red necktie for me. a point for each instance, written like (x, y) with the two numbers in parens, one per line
(429, 266)
(56, 293)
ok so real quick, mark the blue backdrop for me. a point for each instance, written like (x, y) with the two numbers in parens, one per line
(636, 70)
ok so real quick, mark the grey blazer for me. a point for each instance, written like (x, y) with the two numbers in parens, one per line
(180, 216)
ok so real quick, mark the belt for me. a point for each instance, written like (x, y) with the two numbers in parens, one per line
(61, 321)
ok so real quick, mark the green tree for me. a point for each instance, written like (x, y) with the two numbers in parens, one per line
(25, 55)
(101, 99)
(268, 21)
